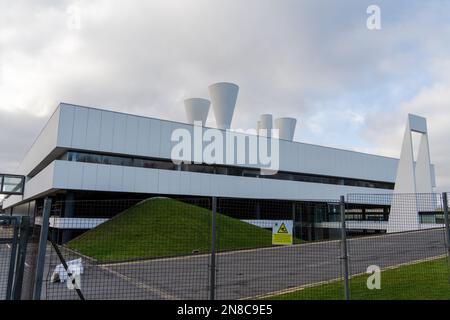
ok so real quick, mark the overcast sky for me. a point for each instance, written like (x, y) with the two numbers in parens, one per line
(349, 86)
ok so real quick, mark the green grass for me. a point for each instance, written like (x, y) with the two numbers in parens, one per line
(161, 227)
(421, 281)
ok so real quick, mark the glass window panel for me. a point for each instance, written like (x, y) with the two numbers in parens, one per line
(12, 184)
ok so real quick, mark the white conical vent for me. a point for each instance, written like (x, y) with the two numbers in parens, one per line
(223, 98)
(286, 127)
(197, 110)
(266, 124)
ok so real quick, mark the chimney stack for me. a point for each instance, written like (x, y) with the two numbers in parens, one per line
(223, 98)
(286, 127)
(266, 123)
(196, 110)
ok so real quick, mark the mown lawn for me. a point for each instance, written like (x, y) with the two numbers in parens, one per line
(422, 281)
(162, 227)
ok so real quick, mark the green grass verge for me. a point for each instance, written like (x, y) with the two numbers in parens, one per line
(422, 281)
(161, 227)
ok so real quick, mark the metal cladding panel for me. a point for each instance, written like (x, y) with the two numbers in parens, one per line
(90, 176)
(131, 135)
(152, 179)
(165, 149)
(79, 131)
(143, 136)
(184, 182)
(44, 144)
(140, 180)
(288, 155)
(116, 178)
(106, 131)
(93, 132)
(65, 128)
(103, 177)
(75, 175)
(128, 178)
(41, 182)
(119, 133)
(155, 137)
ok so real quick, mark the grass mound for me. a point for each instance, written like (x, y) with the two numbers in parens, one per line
(161, 227)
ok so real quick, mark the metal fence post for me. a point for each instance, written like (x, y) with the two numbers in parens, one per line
(42, 248)
(447, 227)
(212, 277)
(12, 259)
(344, 253)
(21, 256)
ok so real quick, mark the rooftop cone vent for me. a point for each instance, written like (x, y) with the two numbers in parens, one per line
(197, 109)
(223, 98)
(265, 121)
(286, 127)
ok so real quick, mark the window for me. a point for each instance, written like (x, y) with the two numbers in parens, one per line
(12, 184)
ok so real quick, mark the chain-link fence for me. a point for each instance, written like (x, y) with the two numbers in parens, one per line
(366, 247)
(406, 253)
(14, 238)
(6, 232)
(154, 249)
(251, 265)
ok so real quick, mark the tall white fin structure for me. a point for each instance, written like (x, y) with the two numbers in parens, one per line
(197, 109)
(413, 178)
(223, 98)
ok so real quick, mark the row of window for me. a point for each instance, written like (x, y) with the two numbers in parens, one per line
(219, 169)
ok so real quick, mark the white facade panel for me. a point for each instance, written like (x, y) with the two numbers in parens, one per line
(80, 128)
(65, 127)
(129, 179)
(93, 132)
(155, 137)
(75, 175)
(184, 182)
(106, 131)
(42, 146)
(131, 136)
(140, 181)
(90, 176)
(152, 179)
(165, 148)
(41, 182)
(119, 133)
(143, 136)
(116, 179)
(103, 177)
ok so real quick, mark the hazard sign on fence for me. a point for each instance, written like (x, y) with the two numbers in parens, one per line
(282, 232)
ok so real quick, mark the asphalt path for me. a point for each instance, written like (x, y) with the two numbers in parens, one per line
(250, 273)
(240, 274)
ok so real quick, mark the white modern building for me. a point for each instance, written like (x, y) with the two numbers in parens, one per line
(90, 153)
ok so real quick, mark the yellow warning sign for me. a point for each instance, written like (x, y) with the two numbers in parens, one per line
(282, 232)
(282, 229)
